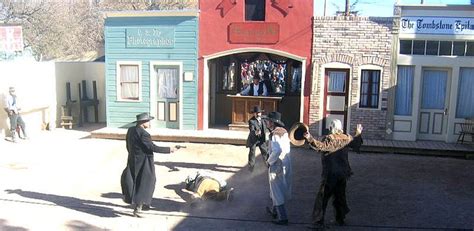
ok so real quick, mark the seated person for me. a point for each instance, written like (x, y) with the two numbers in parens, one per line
(207, 186)
(256, 88)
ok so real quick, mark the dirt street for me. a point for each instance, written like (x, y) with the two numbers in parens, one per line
(63, 180)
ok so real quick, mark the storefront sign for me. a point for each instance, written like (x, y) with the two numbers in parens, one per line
(254, 33)
(437, 25)
(156, 37)
(11, 38)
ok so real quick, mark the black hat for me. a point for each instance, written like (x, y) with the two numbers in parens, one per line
(143, 117)
(256, 109)
(275, 117)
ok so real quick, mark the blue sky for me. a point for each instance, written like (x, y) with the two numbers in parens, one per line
(382, 8)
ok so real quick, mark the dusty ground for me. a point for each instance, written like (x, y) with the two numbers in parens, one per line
(62, 180)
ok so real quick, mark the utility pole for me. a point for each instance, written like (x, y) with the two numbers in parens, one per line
(347, 11)
(422, 2)
(325, 1)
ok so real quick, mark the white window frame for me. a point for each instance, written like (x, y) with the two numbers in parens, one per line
(359, 82)
(140, 81)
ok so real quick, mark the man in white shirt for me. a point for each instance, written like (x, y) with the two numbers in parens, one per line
(257, 88)
(13, 111)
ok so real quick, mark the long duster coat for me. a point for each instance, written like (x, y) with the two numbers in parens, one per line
(279, 171)
(138, 178)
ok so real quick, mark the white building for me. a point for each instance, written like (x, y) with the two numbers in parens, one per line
(434, 71)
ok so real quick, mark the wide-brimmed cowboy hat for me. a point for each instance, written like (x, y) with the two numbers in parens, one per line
(256, 109)
(275, 117)
(142, 117)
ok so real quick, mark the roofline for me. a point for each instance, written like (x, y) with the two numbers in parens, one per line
(437, 6)
(151, 13)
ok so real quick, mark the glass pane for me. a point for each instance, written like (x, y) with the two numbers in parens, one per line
(337, 81)
(465, 104)
(470, 49)
(255, 10)
(419, 47)
(404, 91)
(434, 89)
(273, 75)
(167, 83)
(459, 48)
(432, 47)
(445, 47)
(405, 47)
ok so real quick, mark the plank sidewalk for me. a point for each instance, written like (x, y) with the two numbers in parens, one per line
(218, 136)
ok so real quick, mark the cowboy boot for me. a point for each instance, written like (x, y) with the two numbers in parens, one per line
(137, 210)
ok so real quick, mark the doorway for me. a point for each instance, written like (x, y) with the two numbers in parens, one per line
(435, 85)
(335, 98)
(165, 95)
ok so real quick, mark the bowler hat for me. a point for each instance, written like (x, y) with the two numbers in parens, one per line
(143, 117)
(275, 117)
(256, 109)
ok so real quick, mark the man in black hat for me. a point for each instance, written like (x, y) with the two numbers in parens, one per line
(279, 171)
(138, 178)
(256, 137)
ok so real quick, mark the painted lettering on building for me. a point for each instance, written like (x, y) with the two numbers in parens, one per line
(437, 25)
(254, 33)
(157, 37)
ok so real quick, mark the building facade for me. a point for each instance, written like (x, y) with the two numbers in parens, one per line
(434, 71)
(151, 66)
(242, 40)
(352, 74)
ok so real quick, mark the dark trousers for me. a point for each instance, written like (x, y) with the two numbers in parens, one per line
(263, 150)
(332, 186)
(16, 120)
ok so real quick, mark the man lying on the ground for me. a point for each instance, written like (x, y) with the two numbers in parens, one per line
(207, 186)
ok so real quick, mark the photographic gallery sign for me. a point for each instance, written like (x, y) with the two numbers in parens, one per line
(11, 38)
(437, 25)
(156, 37)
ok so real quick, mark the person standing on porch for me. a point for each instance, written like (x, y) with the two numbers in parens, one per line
(279, 171)
(138, 179)
(334, 150)
(13, 109)
(256, 88)
(256, 137)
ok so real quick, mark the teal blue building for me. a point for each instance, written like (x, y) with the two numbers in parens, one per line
(151, 66)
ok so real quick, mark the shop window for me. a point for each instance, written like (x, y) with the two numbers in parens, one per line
(465, 104)
(432, 47)
(128, 81)
(404, 90)
(405, 47)
(470, 49)
(459, 48)
(228, 73)
(445, 47)
(419, 47)
(255, 10)
(369, 89)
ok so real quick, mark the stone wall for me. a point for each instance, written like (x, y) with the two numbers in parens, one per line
(353, 42)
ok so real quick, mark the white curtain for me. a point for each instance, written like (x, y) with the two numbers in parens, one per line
(465, 106)
(404, 90)
(129, 81)
(434, 89)
(337, 81)
(167, 83)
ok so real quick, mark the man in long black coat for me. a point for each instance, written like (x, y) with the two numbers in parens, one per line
(138, 178)
(334, 150)
(257, 137)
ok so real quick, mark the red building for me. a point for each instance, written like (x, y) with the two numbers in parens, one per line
(244, 39)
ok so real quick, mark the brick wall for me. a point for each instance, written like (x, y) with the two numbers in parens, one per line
(353, 41)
